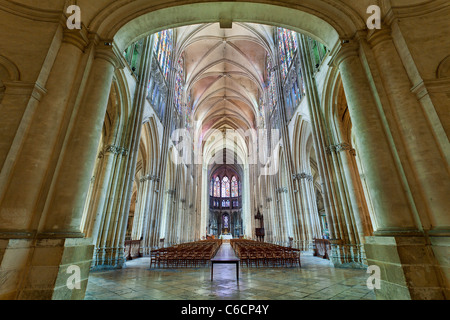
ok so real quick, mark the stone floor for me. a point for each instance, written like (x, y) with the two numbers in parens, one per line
(315, 280)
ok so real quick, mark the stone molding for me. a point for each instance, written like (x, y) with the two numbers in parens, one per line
(25, 88)
(376, 37)
(282, 190)
(415, 10)
(149, 178)
(78, 38)
(106, 50)
(346, 49)
(303, 176)
(115, 150)
(341, 147)
(32, 13)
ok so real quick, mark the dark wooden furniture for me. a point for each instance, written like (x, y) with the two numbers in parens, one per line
(322, 247)
(225, 260)
(129, 246)
(260, 254)
(185, 255)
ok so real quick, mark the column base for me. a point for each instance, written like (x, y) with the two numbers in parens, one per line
(350, 256)
(38, 269)
(108, 259)
(412, 267)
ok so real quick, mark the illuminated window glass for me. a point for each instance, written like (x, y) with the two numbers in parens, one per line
(319, 52)
(217, 187)
(163, 47)
(225, 187)
(234, 188)
(287, 47)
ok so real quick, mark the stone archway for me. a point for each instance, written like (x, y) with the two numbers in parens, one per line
(73, 81)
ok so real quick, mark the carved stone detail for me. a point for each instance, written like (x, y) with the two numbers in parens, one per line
(302, 176)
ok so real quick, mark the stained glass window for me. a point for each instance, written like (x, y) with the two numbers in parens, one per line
(225, 204)
(234, 187)
(287, 47)
(157, 87)
(226, 221)
(163, 47)
(225, 187)
(211, 185)
(271, 86)
(217, 187)
(319, 52)
(133, 56)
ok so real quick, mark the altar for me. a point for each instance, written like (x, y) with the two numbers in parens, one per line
(226, 237)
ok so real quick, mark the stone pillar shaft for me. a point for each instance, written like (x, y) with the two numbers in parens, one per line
(429, 166)
(392, 207)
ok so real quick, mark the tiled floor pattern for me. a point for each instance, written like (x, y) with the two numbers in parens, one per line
(316, 280)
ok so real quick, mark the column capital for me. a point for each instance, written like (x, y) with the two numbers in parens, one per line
(107, 50)
(78, 38)
(344, 146)
(115, 150)
(375, 37)
(346, 49)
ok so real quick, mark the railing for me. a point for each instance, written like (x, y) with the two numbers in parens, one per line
(133, 249)
(216, 203)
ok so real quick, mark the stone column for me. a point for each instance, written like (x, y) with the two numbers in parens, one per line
(110, 235)
(425, 167)
(348, 235)
(71, 184)
(164, 156)
(147, 211)
(429, 167)
(393, 209)
(320, 136)
(357, 227)
(345, 151)
(408, 267)
(299, 222)
(314, 213)
(59, 242)
(42, 125)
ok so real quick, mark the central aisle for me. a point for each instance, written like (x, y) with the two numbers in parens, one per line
(315, 280)
(226, 252)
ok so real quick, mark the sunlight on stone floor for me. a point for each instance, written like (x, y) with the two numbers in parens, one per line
(316, 280)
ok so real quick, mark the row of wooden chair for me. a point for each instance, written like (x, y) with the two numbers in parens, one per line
(186, 255)
(260, 254)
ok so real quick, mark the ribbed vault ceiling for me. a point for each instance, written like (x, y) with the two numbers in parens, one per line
(225, 73)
